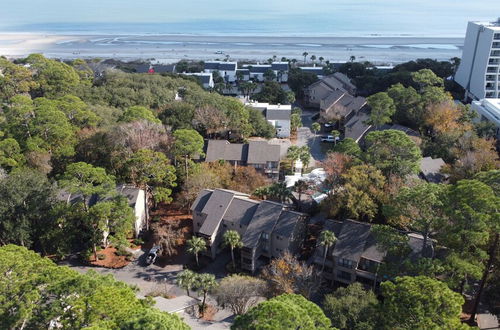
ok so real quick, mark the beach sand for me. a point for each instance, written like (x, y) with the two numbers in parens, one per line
(172, 48)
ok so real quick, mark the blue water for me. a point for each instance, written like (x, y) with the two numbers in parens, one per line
(433, 18)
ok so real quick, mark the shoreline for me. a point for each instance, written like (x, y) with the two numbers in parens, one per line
(172, 48)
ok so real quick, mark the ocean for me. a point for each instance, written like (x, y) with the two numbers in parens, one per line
(382, 31)
(414, 18)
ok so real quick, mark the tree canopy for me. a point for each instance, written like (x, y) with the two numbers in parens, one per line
(420, 303)
(37, 293)
(392, 152)
(288, 311)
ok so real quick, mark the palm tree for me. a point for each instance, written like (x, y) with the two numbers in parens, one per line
(233, 240)
(293, 154)
(279, 191)
(294, 60)
(299, 187)
(313, 58)
(305, 156)
(186, 279)
(261, 192)
(335, 135)
(195, 246)
(352, 58)
(326, 239)
(316, 127)
(321, 59)
(205, 282)
(305, 55)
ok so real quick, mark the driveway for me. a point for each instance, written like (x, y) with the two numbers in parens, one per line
(305, 137)
(146, 278)
(155, 278)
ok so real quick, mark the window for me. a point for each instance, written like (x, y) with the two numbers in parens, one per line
(198, 224)
(224, 225)
(246, 261)
(344, 275)
(264, 236)
(346, 263)
(368, 265)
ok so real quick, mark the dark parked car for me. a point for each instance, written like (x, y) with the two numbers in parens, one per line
(153, 254)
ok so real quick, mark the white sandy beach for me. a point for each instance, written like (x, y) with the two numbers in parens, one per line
(171, 48)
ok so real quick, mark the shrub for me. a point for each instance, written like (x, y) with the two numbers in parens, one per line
(138, 241)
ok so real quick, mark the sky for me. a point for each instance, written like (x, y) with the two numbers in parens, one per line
(292, 15)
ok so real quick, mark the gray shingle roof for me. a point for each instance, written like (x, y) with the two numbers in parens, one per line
(259, 68)
(255, 152)
(201, 200)
(159, 68)
(227, 66)
(352, 240)
(344, 79)
(130, 192)
(260, 152)
(355, 240)
(263, 221)
(221, 66)
(405, 129)
(204, 79)
(241, 211)
(280, 114)
(372, 250)
(343, 103)
(431, 168)
(280, 66)
(223, 150)
(211, 65)
(215, 208)
(287, 222)
(355, 128)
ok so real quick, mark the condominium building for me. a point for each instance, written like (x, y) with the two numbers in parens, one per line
(267, 228)
(479, 70)
(277, 115)
(488, 110)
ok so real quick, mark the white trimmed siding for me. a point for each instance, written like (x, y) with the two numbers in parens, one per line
(140, 212)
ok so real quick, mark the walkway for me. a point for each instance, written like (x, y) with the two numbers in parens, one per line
(306, 137)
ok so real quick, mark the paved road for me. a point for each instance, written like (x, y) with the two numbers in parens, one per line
(154, 278)
(306, 137)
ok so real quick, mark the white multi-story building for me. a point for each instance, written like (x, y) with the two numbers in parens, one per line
(226, 70)
(488, 110)
(206, 79)
(479, 70)
(277, 115)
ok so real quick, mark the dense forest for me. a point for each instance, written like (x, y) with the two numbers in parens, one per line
(65, 127)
